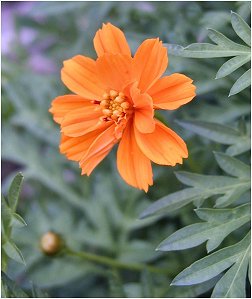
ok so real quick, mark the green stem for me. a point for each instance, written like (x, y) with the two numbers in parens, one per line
(107, 261)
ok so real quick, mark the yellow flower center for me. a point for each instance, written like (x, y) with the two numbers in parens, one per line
(114, 105)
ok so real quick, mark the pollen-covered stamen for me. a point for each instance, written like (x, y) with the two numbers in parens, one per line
(114, 105)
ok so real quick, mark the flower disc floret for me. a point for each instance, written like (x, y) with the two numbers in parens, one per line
(114, 106)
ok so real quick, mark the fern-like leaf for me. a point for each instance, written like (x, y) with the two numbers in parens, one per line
(223, 47)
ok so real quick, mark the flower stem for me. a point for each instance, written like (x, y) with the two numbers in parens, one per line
(107, 261)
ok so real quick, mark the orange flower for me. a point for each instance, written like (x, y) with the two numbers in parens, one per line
(116, 96)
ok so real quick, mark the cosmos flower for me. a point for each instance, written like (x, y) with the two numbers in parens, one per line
(115, 98)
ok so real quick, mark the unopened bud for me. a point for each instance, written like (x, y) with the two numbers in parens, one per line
(51, 243)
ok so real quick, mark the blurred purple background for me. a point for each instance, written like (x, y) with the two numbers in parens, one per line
(26, 37)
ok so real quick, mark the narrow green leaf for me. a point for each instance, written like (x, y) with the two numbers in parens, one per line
(242, 146)
(204, 186)
(4, 259)
(223, 215)
(172, 202)
(13, 252)
(199, 201)
(241, 28)
(213, 264)
(232, 166)
(193, 291)
(243, 82)
(17, 220)
(233, 283)
(231, 65)
(187, 237)
(231, 196)
(214, 231)
(223, 41)
(216, 132)
(6, 216)
(211, 182)
(205, 50)
(14, 191)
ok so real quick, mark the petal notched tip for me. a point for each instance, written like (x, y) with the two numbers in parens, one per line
(110, 39)
(163, 146)
(171, 92)
(150, 62)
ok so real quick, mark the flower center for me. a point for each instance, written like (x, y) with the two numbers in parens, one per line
(114, 105)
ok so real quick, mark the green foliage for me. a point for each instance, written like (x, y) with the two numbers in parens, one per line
(238, 140)
(10, 289)
(224, 47)
(115, 284)
(225, 188)
(241, 28)
(210, 266)
(220, 223)
(243, 82)
(233, 283)
(10, 219)
(232, 166)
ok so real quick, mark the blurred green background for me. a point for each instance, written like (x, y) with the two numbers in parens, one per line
(99, 214)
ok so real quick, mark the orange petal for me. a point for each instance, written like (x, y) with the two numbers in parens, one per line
(172, 91)
(143, 111)
(163, 146)
(110, 39)
(132, 164)
(115, 70)
(76, 147)
(64, 104)
(150, 62)
(79, 74)
(98, 150)
(81, 121)
(93, 161)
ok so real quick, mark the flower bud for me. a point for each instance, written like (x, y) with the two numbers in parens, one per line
(50, 243)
